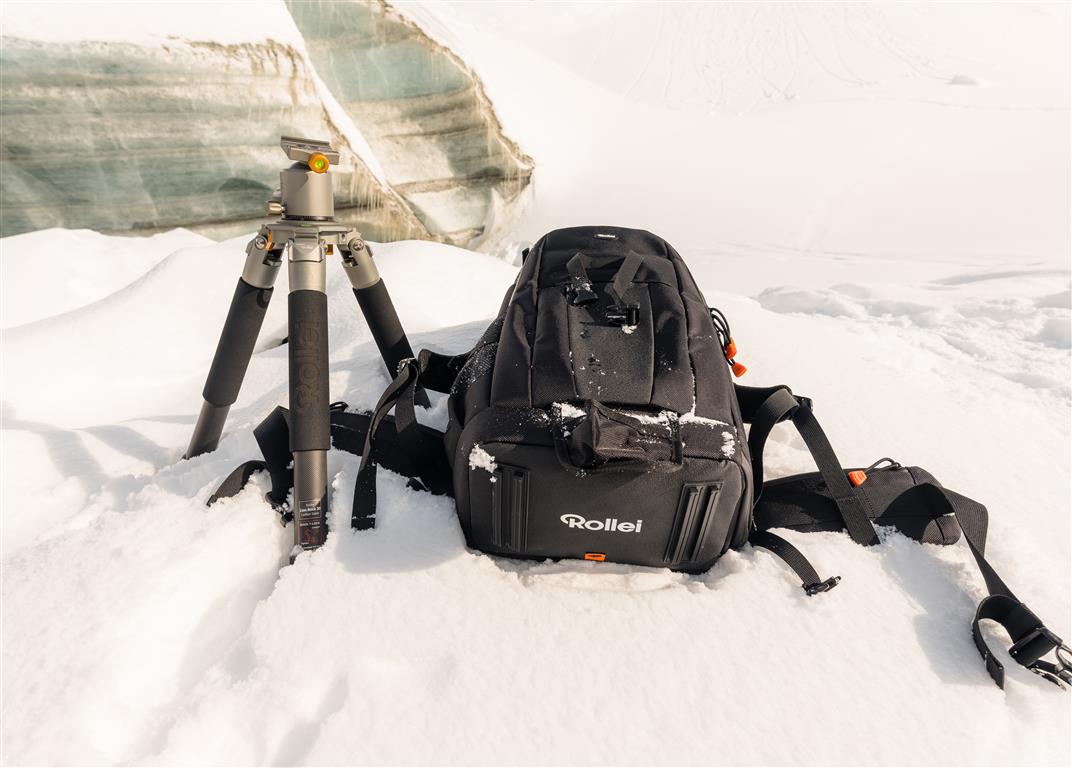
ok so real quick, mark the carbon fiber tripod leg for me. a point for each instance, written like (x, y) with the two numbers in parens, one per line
(235, 348)
(379, 311)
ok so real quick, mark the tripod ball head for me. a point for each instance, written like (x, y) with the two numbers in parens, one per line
(305, 187)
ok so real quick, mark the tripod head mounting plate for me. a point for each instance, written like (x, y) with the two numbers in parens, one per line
(304, 150)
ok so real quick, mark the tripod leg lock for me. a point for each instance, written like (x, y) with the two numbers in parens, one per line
(264, 257)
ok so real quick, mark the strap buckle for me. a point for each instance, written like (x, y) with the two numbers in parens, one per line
(406, 363)
(624, 316)
(821, 586)
(1034, 645)
(1030, 649)
(580, 291)
(1059, 674)
(282, 509)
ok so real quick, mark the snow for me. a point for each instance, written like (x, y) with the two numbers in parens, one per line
(899, 167)
(150, 23)
(692, 418)
(481, 459)
(902, 262)
(73, 267)
(730, 445)
(567, 411)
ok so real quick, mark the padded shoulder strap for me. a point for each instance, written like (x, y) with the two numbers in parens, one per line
(766, 407)
(1031, 639)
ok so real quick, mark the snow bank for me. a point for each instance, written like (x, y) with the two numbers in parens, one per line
(49, 272)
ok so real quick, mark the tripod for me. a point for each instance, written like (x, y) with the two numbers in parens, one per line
(305, 233)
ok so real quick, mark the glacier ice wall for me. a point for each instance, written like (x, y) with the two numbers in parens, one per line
(421, 109)
(125, 137)
(142, 136)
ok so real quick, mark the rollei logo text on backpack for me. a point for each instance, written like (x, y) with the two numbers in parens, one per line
(609, 524)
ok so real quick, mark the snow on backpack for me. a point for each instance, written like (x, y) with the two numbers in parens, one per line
(596, 419)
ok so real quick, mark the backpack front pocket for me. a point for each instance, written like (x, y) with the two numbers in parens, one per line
(524, 503)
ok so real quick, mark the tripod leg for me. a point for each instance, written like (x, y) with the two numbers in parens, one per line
(310, 428)
(235, 348)
(379, 311)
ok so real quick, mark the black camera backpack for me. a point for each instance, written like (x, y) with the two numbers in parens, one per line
(597, 419)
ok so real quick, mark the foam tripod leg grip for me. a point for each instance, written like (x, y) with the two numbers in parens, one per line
(386, 329)
(310, 427)
(237, 340)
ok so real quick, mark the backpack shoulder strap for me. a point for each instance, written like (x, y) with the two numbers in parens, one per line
(273, 438)
(765, 407)
(1031, 639)
(401, 450)
(421, 446)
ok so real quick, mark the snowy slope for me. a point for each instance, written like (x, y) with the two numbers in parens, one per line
(904, 163)
(74, 267)
(865, 254)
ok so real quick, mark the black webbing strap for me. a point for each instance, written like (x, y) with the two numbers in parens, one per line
(237, 480)
(349, 432)
(581, 285)
(580, 289)
(623, 278)
(791, 556)
(273, 438)
(1030, 637)
(425, 455)
(781, 404)
(363, 516)
(438, 371)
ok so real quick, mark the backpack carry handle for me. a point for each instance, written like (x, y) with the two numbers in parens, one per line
(580, 288)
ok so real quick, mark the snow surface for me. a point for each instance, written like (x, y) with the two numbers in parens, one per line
(147, 23)
(75, 267)
(903, 262)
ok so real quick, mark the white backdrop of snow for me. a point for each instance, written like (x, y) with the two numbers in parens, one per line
(904, 262)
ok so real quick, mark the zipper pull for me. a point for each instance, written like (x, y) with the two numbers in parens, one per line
(892, 464)
(725, 339)
(730, 351)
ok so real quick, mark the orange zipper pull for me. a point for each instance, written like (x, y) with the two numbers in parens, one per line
(730, 351)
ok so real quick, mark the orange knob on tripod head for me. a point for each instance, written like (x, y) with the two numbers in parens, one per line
(318, 162)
